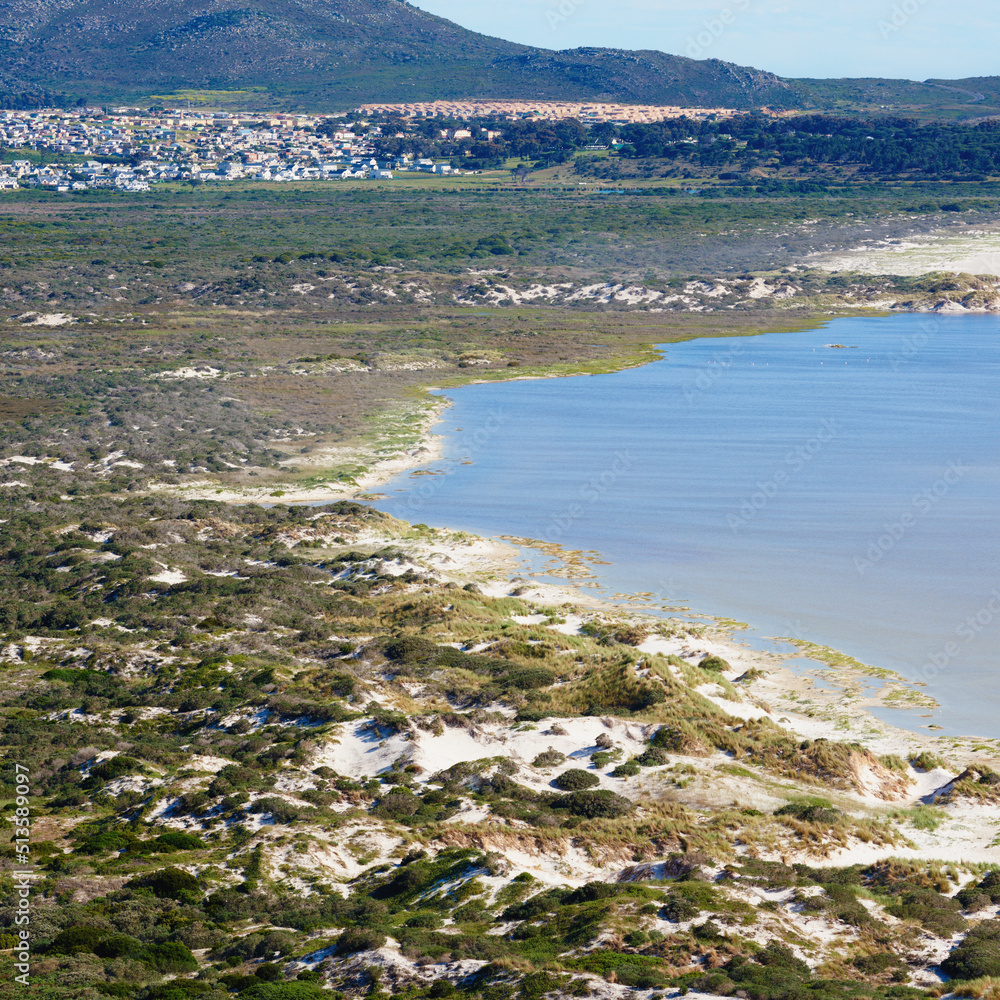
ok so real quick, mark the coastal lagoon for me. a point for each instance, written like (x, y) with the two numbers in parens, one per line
(838, 485)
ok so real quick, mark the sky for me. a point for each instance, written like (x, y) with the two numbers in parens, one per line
(903, 39)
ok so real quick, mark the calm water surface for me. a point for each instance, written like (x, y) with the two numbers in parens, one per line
(849, 496)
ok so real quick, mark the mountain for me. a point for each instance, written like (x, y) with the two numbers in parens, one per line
(327, 53)
(336, 54)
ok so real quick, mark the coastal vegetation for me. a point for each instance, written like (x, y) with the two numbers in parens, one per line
(745, 150)
(276, 748)
(180, 677)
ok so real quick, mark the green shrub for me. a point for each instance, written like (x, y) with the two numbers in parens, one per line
(988, 888)
(593, 891)
(174, 840)
(978, 955)
(528, 678)
(938, 913)
(108, 770)
(170, 956)
(594, 805)
(68, 799)
(77, 940)
(927, 761)
(627, 770)
(118, 946)
(166, 957)
(178, 989)
(639, 977)
(874, 965)
(295, 990)
(653, 757)
(279, 810)
(777, 955)
(356, 939)
(410, 649)
(680, 738)
(715, 663)
(548, 758)
(576, 779)
(819, 811)
(397, 806)
(602, 758)
(678, 908)
(168, 883)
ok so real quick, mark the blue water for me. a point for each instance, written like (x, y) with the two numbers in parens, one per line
(845, 496)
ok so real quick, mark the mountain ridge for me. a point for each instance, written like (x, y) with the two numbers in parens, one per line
(313, 55)
(330, 51)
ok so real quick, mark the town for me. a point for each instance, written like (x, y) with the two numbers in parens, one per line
(129, 149)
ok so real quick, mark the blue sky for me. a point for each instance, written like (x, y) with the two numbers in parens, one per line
(910, 39)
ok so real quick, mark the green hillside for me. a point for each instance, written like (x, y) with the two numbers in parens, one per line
(328, 53)
(336, 54)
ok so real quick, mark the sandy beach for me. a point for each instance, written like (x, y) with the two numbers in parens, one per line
(823, 696)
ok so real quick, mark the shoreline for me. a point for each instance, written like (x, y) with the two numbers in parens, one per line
(843, 677)
(758, 685)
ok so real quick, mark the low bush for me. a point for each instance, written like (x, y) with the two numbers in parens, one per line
(174, 840)
(594, 805)
(397, 806)
(927, 761)
(108, 770)
(548, 758)
(165, 957)
(653, 757)
(715, 663)
(297, 990)
(810, 812)
(168, 883)
(939, 914)
(978, 954)
(356, 939)
(679, 908)
(277, 808)
(777, 955)
(627, 770)
(527, 678)
(177, 989)
(988, 889)
(77, 940)
(576, 779)
(874, 965)
(410, 649)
